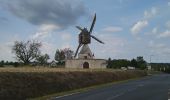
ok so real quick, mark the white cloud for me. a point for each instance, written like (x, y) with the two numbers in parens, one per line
(112, 47)
(112, 29)
(159, 49)
(154, 45)
(5, 51)
(168, 24)
(44, 31)
(139, 26)
(168, 3)
(151, 13)
(66, 36)
(155, 30)
(164, 34)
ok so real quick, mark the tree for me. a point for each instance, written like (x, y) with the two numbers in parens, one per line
(141, 63)
(59, 55)
(43, 59)
(109, 63)
(26, 51)
(2, 63)
(63, 54)
(134, 63)
(68, 53)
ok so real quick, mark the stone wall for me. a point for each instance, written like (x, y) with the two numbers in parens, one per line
(86, 63)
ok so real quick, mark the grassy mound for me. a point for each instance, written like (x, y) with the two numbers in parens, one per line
(22, 85)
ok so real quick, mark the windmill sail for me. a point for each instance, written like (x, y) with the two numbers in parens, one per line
(78, 27)
(92, 25)
(77, 50)
(97, 39)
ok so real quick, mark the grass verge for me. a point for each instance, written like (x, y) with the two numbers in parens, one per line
(21, 85)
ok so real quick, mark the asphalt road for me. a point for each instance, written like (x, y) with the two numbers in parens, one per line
(150, 88)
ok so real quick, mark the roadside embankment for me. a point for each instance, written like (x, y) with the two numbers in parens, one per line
(22, 85)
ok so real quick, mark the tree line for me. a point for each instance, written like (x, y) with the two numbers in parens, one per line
(138, 63)
(29, 53)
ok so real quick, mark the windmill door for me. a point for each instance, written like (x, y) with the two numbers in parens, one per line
(85, 65)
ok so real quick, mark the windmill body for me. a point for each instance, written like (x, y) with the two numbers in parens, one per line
(84, 58)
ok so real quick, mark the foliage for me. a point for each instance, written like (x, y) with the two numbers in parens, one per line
(63, 54)
(7, 63)
(68, 53)
(43, 59)
(118, 63)
(165, 67)
(26, 51)
(134, 63)
(139, 63)
(59, 55)
(2, 63)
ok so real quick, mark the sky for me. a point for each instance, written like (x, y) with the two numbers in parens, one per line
(129, 28)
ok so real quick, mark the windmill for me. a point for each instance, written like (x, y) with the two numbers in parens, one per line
(85, 37)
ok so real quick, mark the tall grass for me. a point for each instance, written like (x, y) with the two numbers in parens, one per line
(22, 83)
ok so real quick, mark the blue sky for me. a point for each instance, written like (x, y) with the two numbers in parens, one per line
(129, 28)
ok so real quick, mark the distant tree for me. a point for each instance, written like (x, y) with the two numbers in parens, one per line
(118, 63)
(134, 63)
(15, 64)
(63, 54)
(109, 63)
(68, 53)
(59, 55)
(26, 51)
(2, 63)
(43, 59)
(141, 63)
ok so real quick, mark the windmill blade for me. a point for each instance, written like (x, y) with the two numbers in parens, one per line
(77, 50)
(78, 27)
(96, 39)
(92, 25)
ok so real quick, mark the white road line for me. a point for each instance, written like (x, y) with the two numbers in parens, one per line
(66, 95)
(168, 94)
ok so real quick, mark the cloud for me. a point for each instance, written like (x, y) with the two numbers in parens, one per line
(66, 36)
(6, 48)
(139, 26)
(159, 49)
(154, 45)
(168, 3)
(164, 34)
(62, 13)
(113, 46)
(168, 24)
(112, 29)
(3, 20)
(5, 51)
(44, 31)
(155, 30)
(151, 13)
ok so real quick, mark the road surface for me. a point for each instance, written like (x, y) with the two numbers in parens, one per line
(150, 88)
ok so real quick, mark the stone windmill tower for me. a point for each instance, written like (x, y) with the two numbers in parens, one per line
(85, 57)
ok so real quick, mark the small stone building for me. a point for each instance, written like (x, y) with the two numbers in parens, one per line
(86, 63)
(85, 60)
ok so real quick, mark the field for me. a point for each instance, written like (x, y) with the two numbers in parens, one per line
(46, 69)
(26, 82)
